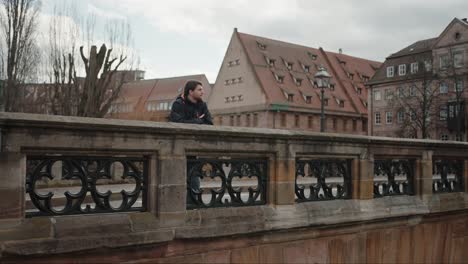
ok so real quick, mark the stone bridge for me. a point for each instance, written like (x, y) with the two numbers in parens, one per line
(100, 190)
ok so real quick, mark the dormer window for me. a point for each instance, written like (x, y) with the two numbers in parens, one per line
(351, 76)
(227, 99)
(325, 102)
(290, 97)
(261, 46)
(279, 79)
(359, 90)
(332, 87)
(306, 68)
(390, 72)
(308, 99)
(312, 55)
(341, 103)
(271, 62)
(289, 65)
(298, 81)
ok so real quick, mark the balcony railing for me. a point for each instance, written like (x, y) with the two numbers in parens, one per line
(323, 179)
(64, 185)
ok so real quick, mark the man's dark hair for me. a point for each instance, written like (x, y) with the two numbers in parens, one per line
(190, 86)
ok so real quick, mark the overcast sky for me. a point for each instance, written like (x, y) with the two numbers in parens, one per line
(182, 37)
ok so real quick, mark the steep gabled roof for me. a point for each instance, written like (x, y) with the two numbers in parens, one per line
(417, 47)
(261, 51)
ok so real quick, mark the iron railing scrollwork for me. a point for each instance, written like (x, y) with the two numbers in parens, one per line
(447, 176)
(224, 183)
(323, 179)
(393, 177)
(80, 183)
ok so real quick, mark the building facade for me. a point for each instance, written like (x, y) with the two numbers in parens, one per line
(420, 91)
(152, 99)
(270, 83)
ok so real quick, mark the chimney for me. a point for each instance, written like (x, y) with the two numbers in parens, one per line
(465, 19)
(340, 50)
(235, 29)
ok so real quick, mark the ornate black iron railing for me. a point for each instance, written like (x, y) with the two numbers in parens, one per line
(393, 177)
(224, 183)
(447, 175)
(323, 179)
(64, 185)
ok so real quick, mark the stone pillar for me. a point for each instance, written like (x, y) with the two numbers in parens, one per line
(423, 175)
(285, 181)
(363, 177)
(12, 184)
(466, 175)
(284, 178)
(171, 184)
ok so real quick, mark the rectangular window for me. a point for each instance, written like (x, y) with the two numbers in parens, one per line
(444, 137)
(378, 118)
(364, 125)
(389, 117)
(377, 95)
(458, 59)
(459, 85)
(443, 88)
(290, 66)
(341, 103)
(334, 123)
(296, 120)
(444, 61)
(400, 116)
(443, 112)
(309, 121)
(451, 112)
(255, 120)
(390, 70)
(428, 65)
(308, 99)
(247, 120)
(413, 90)
(401, 91)
(290, 97)
(388, 94)
(231, 121)
(413, 115)
(283, 119)
(325, 102)
(414, 67)
(354, 124)
(306, 68)
(238, 121)
(359, 90)
(402, 69)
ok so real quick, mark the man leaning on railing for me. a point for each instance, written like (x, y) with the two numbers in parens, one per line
(189, 107)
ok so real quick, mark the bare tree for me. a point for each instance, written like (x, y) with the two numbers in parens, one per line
(92, 95)
(417, 102)
(20, 55)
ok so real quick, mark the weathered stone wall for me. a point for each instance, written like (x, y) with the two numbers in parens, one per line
(425, 226)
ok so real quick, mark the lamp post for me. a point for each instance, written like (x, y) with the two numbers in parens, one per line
(323, 81)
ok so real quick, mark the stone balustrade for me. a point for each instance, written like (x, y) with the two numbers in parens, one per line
(136, 183)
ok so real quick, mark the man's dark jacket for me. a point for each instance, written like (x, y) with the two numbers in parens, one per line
(184, 111)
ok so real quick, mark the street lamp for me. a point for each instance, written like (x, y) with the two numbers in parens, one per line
(323, 81)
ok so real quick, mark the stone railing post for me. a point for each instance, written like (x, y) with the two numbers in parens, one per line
(171, 183)
(12, 185)
(466, 175)
(423, 175)
(284, 177)
(363, 177)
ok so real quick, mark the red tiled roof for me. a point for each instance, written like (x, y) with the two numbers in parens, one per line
(283, 52)
(138, 93)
